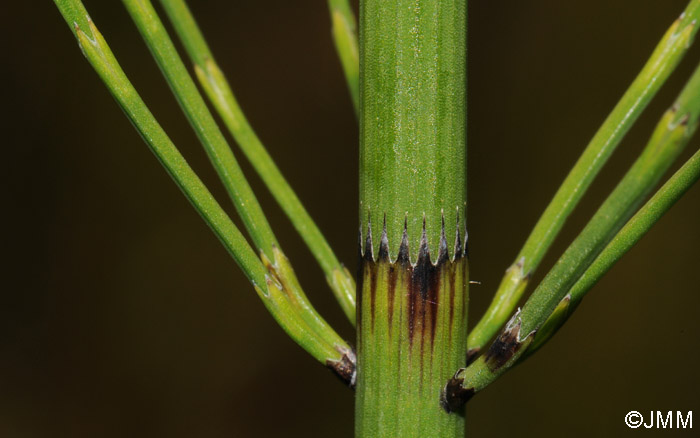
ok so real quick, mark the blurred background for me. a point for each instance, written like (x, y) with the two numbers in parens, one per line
(122, 315)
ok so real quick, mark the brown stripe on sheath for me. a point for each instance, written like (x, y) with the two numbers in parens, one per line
(391, 292)
(371, 266)
(372, 292)
(382, 258)
(442, 260)
(453, 291)
(463, 253)
(465, 281)
(360, 279)
(424, 292)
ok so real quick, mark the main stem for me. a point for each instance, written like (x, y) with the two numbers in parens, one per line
(413, 281)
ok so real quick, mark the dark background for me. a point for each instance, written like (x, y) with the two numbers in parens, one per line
(122, 315)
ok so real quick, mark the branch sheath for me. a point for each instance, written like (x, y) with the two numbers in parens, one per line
(220, 94)
(553, 296)
(272, 277)
(668, 53)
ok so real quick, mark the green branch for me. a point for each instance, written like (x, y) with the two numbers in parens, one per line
(552, 295)
(219, 92)
(101, 58)
(157, 39)
(658, 68)
(272, 280)
(630, 234)
(347, 46)
(203, 123)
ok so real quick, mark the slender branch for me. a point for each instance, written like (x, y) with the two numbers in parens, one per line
(630, 234)
(219, 92)
(658, 68)
(271, 280)
(163, 50)
(668, 140)
(347, 46)
(203, 123)
(101, 58)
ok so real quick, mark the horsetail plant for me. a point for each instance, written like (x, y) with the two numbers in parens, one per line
(415, 364)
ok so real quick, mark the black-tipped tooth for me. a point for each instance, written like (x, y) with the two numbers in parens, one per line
(423, 249)
(369, 249)
(458, 245)
(384, 244)
(466, 242)
(404, 256)
(443, 253)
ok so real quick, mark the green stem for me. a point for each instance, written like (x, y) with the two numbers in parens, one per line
(346, 44)
(552, 295)
(658, 68)
(274, 284)
(201, 120)
(413, 120)
(219, 92)
(412, 307)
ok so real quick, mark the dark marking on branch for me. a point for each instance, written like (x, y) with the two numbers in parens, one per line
(346, 367)
(507, 344)
(472, 354)
(454, 396)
